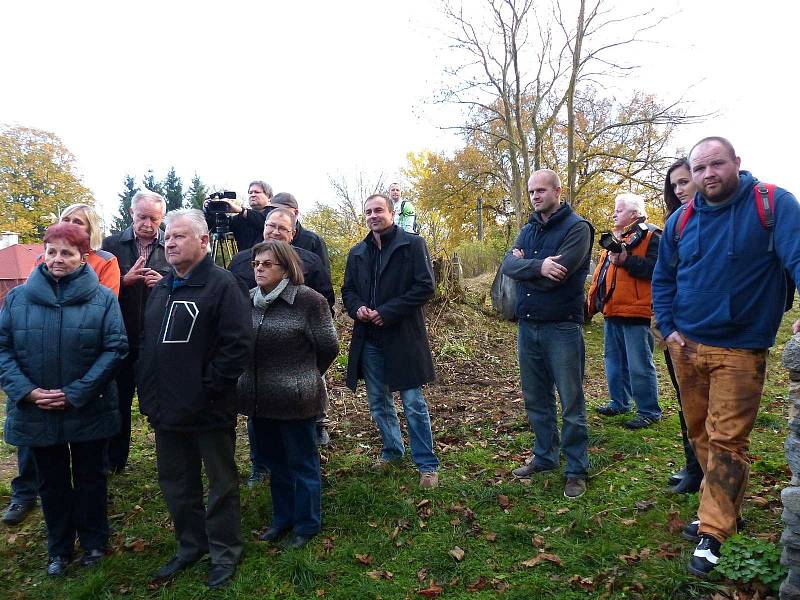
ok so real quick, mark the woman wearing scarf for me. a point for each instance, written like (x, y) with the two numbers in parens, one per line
(282, 387)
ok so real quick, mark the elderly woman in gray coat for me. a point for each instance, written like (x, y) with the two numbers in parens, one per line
(282, 387)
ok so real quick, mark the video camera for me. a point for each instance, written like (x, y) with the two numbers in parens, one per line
(216, 211)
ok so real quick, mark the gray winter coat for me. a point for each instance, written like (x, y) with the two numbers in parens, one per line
(295, 343)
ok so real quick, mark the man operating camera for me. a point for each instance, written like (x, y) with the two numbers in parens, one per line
(247, 224)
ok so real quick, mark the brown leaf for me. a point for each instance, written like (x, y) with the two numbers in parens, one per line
(643, 505)
(584, 582)
(617, 456)
(667, 551)
(135, 544)
(563, 511)
(532, 562)
(380, 575)
(503, 501)
(422, 575)
(478, 585)
(674, 522)
(759, 501)
(457, 553)
(364, 559)
(538, 541)
(490, 536)
(431, 591)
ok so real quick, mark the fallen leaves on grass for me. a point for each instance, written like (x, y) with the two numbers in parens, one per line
(643, 505)
(135, 544)
(478, 585)
(540, 558)
(538, 541)
(503, 501)
(674, 522)
(382, 574)
(635, 556)
(490, 536)
(364, 559)
(457, 553)
(585, 583)
(431, 591)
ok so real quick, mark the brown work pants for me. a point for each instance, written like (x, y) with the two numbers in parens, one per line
(720, 394)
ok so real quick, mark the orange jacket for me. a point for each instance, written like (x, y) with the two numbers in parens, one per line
(628, 288)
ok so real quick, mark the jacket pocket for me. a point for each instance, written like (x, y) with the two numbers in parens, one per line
(703, 311)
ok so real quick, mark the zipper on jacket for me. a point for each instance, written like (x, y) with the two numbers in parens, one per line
(255, 362)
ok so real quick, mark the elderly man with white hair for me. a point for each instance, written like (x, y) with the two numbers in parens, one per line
(621, 291)
(196, 339)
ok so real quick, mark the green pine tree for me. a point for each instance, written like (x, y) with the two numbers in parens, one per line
(173, 190)
(196, 193)
(123, 221)
(151, 183)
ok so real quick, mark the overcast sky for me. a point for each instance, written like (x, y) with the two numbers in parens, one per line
(295, 92)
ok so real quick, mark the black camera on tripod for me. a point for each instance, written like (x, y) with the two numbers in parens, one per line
(216, 211)
(222, 245)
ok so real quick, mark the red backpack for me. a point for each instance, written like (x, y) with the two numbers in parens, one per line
(764, 197)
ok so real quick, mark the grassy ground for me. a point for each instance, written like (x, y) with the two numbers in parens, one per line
(481, 534)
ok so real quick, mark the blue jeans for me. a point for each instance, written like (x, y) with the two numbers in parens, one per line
(382, 409)
(290, 449)
(552, 357)
(25, 486)
(630, 371)
(257, 462)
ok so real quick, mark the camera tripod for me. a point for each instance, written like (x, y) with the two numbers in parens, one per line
(223, 244)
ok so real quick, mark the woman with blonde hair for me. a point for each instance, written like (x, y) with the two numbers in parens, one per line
(104, 263)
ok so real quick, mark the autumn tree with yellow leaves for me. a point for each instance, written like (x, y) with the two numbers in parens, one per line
(38, 178)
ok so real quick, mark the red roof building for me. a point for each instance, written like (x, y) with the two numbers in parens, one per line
(16, 263)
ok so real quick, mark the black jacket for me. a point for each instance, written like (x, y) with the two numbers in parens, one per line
(308, 240)
(248, 229)
(316, 277)
(195, 343)
(133, 297)
(402, 286)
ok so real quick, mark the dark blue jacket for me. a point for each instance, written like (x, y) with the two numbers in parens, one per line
(541, 299)
(67, 335)
(726, 288)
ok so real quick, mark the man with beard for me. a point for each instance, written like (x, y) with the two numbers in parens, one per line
(719, 291)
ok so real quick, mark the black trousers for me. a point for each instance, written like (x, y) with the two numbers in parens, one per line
(691, 459)
(74, 495)
(119, 444)
(200, 529)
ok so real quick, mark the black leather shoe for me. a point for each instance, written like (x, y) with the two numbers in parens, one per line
(91, 558)
(16, 512)
(677, 476)
(705, 557)
(57, 565)
(298, 541)
(609, 411)
(220, 575)
(173, 567)
(272, 534)
(688, 485)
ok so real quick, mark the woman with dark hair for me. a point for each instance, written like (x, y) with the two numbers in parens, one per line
(678, 190)
(61, 337)
(282, 389)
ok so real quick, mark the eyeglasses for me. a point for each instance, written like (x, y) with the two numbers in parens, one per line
(278, 227)
(267, 264)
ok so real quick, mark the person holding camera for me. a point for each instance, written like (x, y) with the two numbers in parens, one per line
(620, 290)
(247, 223)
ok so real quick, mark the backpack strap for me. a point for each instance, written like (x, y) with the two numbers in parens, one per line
(688, 211)
(764, 196)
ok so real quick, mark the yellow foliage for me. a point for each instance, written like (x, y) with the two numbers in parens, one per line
(37, 180)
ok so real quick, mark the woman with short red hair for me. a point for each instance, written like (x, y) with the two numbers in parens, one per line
(61, 338)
